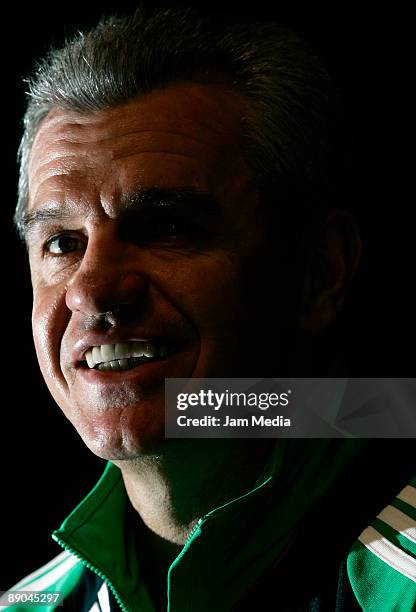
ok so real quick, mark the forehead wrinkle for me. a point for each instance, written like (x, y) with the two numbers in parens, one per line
(55, 166)
(69, 155)
(133, 133)
(136, 142)
(51, 152)
(68, 144)
(226, 109)
(54, 179)
(155, 152)
(53, 158)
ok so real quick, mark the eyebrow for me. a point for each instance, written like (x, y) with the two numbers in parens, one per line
(32, 221)
(195, 200)
(201, 203)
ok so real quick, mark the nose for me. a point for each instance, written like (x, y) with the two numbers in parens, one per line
(109, 277)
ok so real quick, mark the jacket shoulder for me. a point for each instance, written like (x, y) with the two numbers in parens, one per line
(61, 574)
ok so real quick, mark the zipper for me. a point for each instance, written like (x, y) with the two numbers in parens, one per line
(96, 571)
(90, 566)
(194, 529)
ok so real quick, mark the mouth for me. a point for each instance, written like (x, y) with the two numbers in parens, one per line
(124, 355)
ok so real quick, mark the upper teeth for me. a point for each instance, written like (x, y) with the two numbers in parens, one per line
(123, 350)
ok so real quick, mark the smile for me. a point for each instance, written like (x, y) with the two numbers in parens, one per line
(124, 355)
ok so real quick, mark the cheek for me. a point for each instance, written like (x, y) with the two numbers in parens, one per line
(49, 319)
(208, 290)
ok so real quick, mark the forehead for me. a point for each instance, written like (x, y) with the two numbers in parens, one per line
(187, 135)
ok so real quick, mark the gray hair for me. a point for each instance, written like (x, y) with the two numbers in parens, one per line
(289, 129)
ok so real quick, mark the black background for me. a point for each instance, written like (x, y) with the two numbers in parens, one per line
(45, 469)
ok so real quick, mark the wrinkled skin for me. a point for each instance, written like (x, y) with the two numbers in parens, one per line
(201, 283)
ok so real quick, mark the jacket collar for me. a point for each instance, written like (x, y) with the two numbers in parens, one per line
(216, 554)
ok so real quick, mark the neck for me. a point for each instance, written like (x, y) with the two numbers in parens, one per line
(172, 490)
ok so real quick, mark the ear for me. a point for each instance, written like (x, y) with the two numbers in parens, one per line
(333, 260)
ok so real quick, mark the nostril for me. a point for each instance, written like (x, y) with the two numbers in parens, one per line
(111, 316)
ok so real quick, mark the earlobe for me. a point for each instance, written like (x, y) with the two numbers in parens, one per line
(333, 261)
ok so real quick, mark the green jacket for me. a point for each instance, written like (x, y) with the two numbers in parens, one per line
(232, 547)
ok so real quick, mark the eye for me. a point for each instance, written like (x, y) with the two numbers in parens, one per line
(168, 228)
(62, 244)
(155, 226)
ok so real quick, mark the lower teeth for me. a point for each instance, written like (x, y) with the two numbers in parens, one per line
(122, 364)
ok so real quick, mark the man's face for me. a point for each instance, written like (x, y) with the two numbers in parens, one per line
(145, 212)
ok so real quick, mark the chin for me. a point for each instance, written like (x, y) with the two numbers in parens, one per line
(123, 435)
(116, 448)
